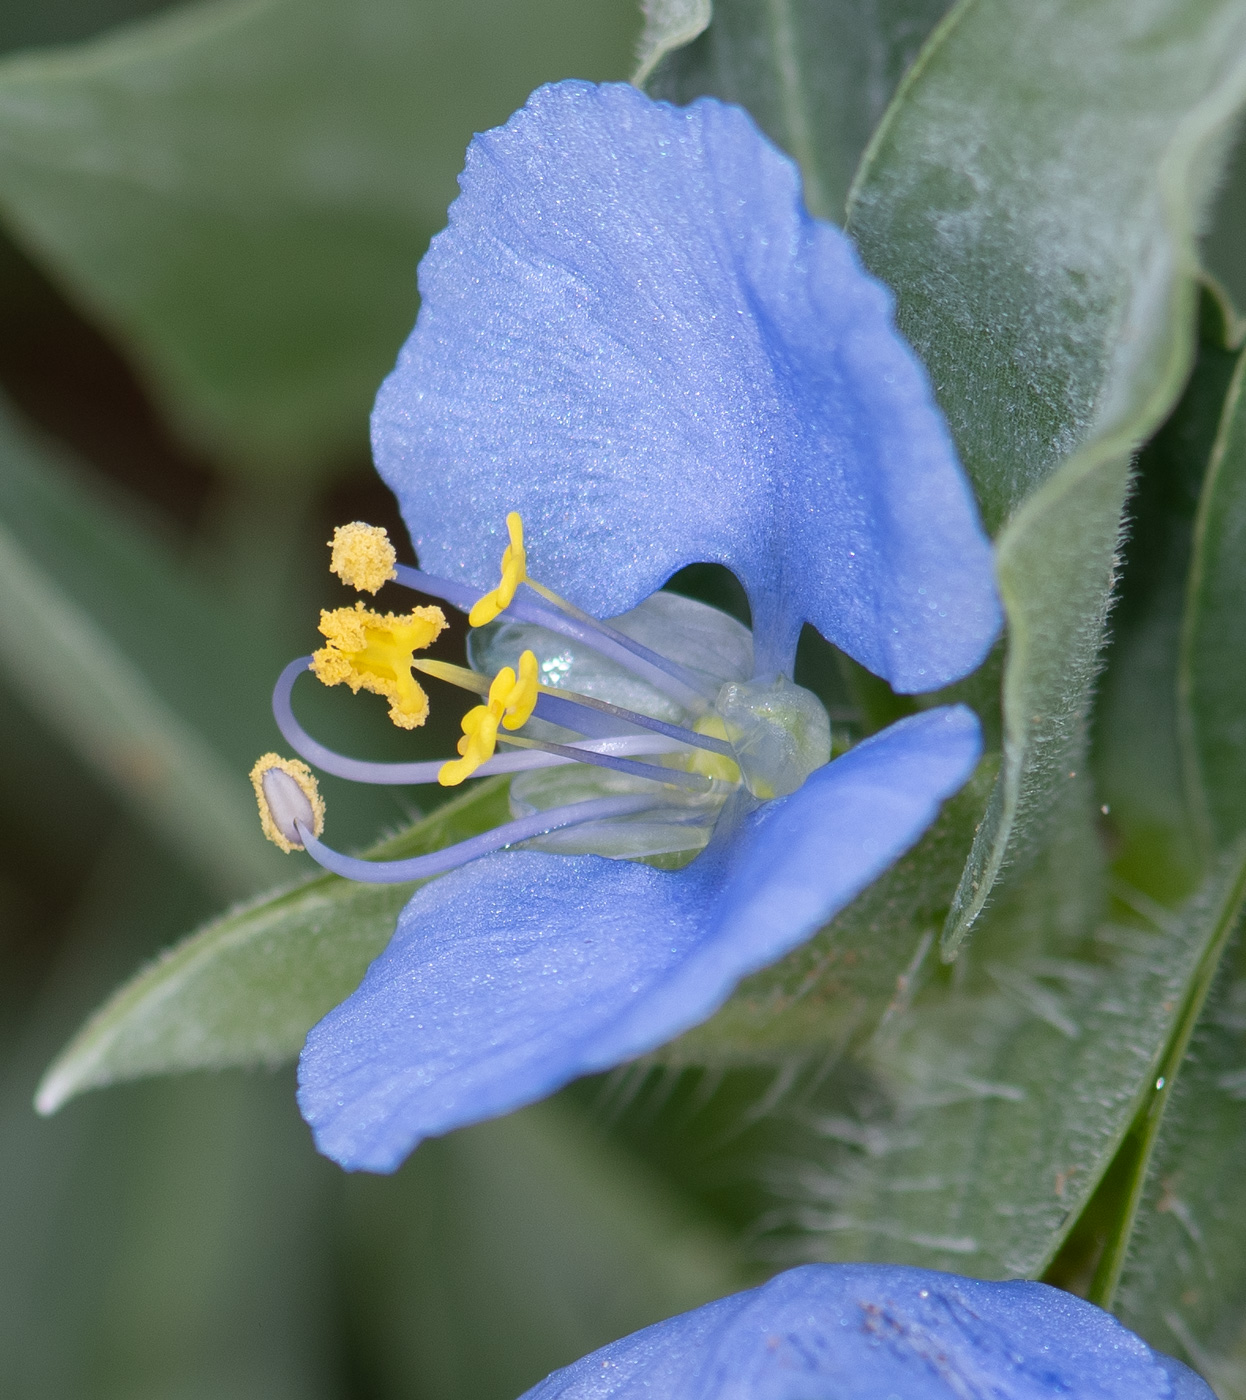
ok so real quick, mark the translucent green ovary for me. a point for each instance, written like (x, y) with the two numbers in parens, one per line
(779, 731)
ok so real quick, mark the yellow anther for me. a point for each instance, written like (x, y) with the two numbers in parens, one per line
(286, 792)
(511, 702)
(373, 651)
(514, 572)
(362, 556)
(480, 735)
(522, 698)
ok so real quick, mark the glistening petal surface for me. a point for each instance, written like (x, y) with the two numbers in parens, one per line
(881, 1332)
(509, 977)
(632, 333)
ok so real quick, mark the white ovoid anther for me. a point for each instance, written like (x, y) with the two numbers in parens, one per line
(287, 804)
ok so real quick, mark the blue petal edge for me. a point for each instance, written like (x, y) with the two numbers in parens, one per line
(511, 976)
(633, 333)
(869, 1331)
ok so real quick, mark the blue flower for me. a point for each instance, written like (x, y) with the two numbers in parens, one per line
(634, 339)
(881, 1332)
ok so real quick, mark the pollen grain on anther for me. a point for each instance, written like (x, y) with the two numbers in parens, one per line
(373, 651)
(362, 556)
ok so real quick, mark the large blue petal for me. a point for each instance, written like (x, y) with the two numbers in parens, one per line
(634, 334)
(511, 976)
(881, 1332)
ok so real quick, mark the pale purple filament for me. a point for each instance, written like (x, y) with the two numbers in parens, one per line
(395, 872)
(398, 774)
(675, 680)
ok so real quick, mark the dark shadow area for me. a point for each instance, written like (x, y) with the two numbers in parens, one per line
(716, 585)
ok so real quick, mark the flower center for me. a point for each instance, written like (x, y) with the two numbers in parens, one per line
(626, 738)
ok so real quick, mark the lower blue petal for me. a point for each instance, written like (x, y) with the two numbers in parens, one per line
(515, 974)
(881, 1332)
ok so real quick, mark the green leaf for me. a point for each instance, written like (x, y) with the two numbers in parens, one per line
(982, 1124)
(1224, 253)
(1184, 1286)
(669, 24)
(1219, 911)
(503, 1251)
(816, 74)
(246, 989)
(1093, 1254)
(1213, 645)
(95, 608)
(242, 190)
(1032, 196)
(1138, 759)
(1055, 563)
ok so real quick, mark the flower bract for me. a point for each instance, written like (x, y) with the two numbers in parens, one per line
(636, 344)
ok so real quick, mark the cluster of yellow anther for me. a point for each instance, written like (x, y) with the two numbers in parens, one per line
(362, 556)
(511, 702)
(373, 651)
(514, 572)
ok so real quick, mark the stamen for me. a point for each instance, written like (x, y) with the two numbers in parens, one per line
(638, 649)
(289, 800)
(550, 705)
(362, 556)
(692, 737)
(361, 770)
(673, 777)
(570, 699)
(462, 676)
(514, 572)
(393, 872)
(667, 676)
(371, 651)
(521, 700)
(511, 701)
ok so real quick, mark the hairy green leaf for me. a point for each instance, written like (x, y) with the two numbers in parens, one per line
(1138, 759)
(1213, 645)
(242, 190)
(1184, 1286)
(247, 988)
(669, 24)
(816, 74)
(1224, 247)
(991, 1112)
(1055, 562)
(1032, 196)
